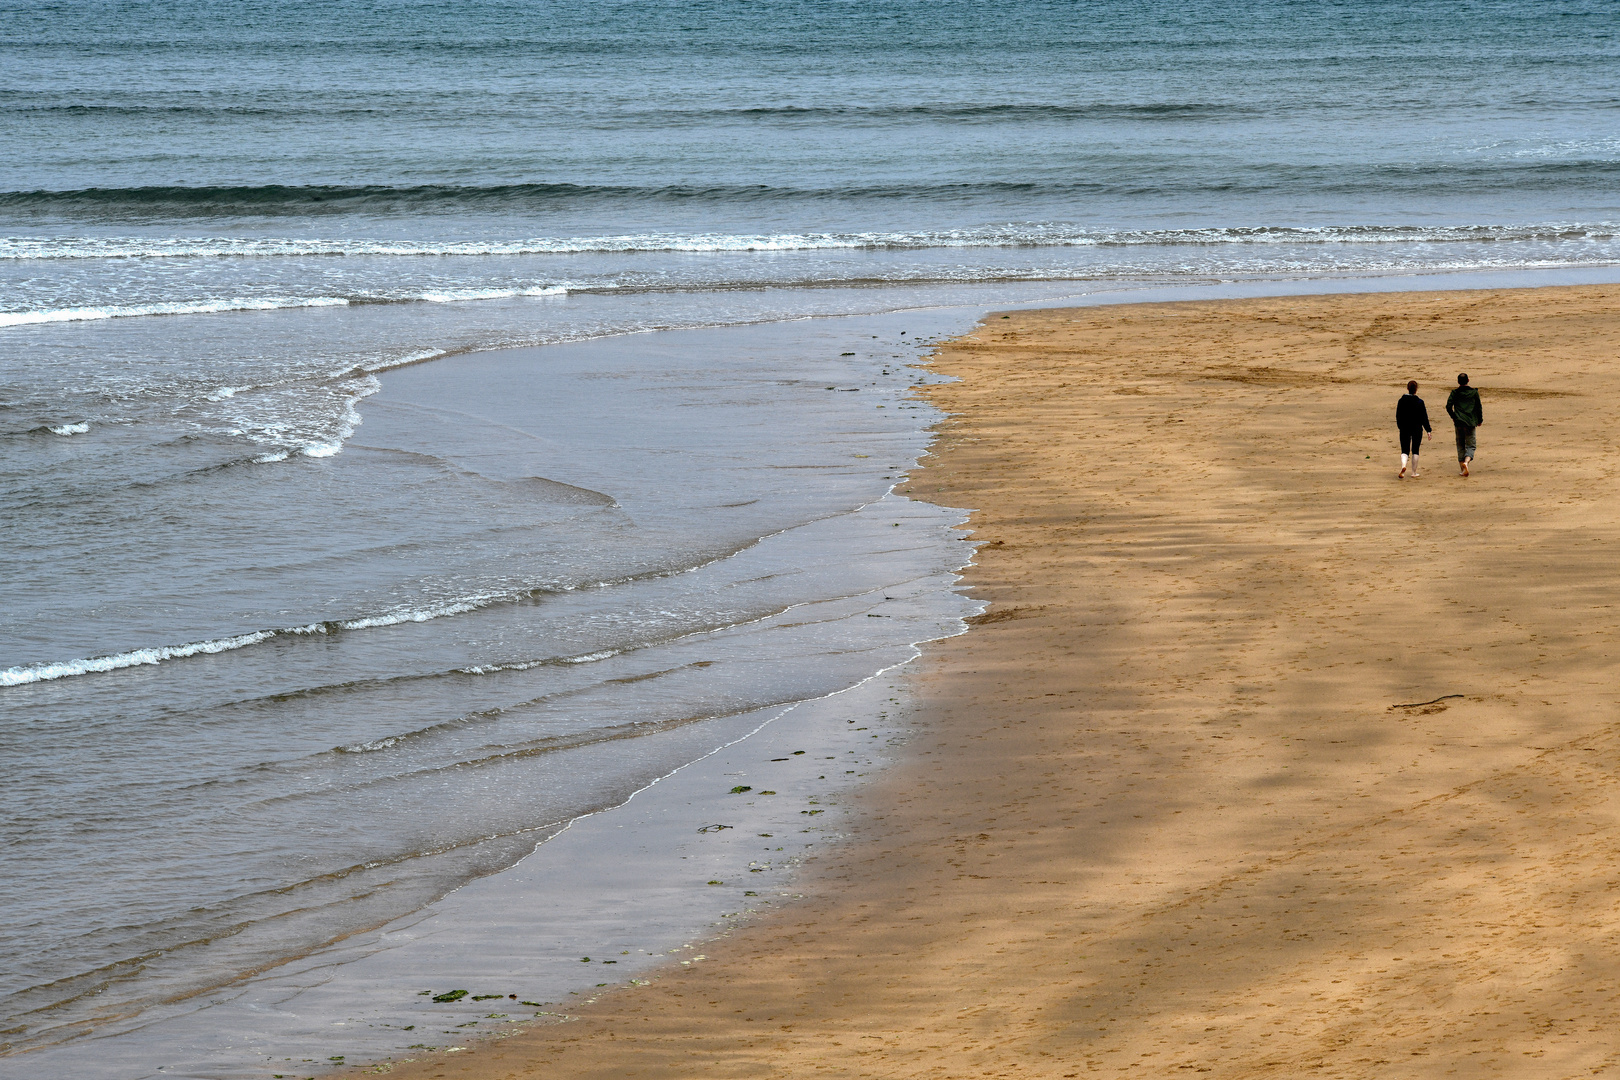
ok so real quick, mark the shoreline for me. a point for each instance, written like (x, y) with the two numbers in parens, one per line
(1227, 845)
(783, 668)
(298, 971)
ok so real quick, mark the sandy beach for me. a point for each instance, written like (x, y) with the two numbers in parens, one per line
(1261, 763)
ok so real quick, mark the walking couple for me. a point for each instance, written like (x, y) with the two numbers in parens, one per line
(1412, 417)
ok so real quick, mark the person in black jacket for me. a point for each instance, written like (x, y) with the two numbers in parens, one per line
(1468, 413)
(1412, 418)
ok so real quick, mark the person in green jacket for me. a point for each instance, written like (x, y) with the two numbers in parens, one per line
(1465, 410)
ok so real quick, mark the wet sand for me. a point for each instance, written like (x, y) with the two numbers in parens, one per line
(1261, 763)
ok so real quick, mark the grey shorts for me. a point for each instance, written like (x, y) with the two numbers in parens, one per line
(1465, 442)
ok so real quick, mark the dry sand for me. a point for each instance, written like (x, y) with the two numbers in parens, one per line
(1169, 811)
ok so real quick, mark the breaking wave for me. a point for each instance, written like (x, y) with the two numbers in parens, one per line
(123, 311)
(1596, 168)
(33, 673)
(275, 303)
(1018, 234)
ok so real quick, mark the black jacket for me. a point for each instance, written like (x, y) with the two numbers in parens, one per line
(1411, 414)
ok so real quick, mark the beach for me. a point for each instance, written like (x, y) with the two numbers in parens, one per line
(1261, 762)
(485, 487)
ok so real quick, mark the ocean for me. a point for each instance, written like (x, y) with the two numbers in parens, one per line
(427, 426)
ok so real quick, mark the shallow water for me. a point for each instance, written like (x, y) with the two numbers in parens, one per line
(389, 671)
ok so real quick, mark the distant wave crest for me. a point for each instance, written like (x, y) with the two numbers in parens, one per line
(1595, 166)
(1018, 234)
(961, 112)
(1572, 241)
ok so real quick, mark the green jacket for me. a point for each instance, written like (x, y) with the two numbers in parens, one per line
(1463, 406)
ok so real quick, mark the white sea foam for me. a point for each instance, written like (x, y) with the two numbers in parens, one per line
(203, 307)
(70, 429)
(1606, 148)
(456, 295)
(525, 665)
(370, 367)
(346, 423)
(491, 669)
(275, 303)
(1012, 234)
(436, 611)
(369, 747)
(33, 673)
(1020, 235)
(315, 444)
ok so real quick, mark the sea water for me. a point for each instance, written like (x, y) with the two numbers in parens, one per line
(381, 490)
